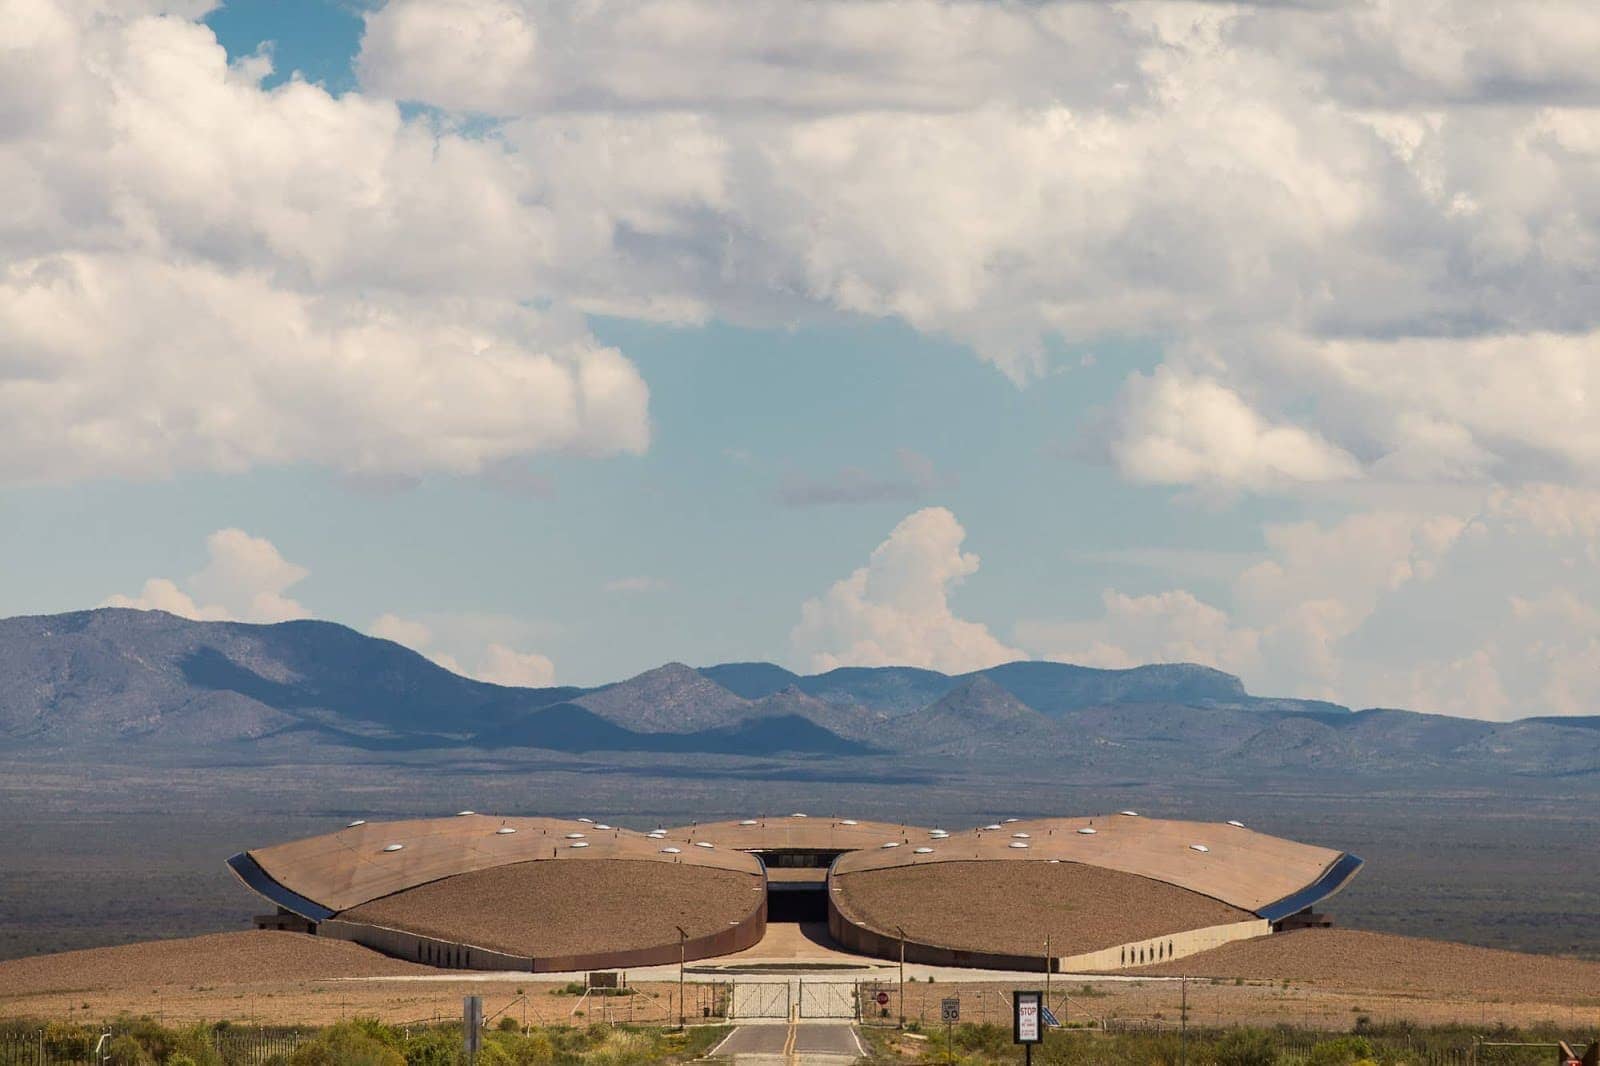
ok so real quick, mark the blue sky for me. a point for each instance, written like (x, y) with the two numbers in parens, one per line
(561, 342)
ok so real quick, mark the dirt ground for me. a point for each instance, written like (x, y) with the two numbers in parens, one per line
(1352, 959)
(540, 909)
(1318, 979)
(1080, 908)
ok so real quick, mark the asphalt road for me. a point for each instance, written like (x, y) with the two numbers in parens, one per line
(817, 1042)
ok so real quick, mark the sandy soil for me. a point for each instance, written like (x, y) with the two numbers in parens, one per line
(218, 959)
(1081, 908)
(542, 909)
(1351, 959)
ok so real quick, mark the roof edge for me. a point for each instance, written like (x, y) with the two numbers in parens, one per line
(250, 873)
(1334, 878)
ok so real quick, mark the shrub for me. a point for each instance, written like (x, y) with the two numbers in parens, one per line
(1345, 1051)
(1246, 1047)
(620, 1048)
(126, 1051)
(348, 1044)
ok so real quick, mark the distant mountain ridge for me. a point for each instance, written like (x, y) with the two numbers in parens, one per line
(151, 682)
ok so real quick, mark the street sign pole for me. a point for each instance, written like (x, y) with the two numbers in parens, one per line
(950, 1011)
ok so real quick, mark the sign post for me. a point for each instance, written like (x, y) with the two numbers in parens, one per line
(1027, 1027)
(949, 1013)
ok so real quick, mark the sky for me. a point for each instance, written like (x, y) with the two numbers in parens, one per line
(558, 341)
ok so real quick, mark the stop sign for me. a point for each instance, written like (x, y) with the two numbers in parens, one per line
(882, 998)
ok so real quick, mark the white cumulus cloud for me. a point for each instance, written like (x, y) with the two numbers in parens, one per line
(1489, 613)
(245, 579)
(896, 609)
(455, 642)
(203, 274)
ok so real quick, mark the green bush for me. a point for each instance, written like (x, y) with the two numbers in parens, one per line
(358, 1043)
(125, 1050)
(1345, 1051)
(1246, 1047)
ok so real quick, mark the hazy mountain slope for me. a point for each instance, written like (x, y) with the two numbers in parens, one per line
(151, 682)
(891, 689)
(573, 728)
(846, 719)
(104, 674)
(1056, 688)
(976, 715)
(669, 699)
(751, 680)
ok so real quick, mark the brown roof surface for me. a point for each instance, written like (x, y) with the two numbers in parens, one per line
(544, 909)
(1008, 908)
(1241, 867)
(798, 833)
(1361, 961)
(343, 869)
(218, 959)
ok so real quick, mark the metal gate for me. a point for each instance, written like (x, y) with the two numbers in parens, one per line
(760, 999)
(828, 999)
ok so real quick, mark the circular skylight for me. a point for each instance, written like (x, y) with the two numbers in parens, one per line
(589, 820)
(797, 814)
(358, 821)
(393, 847)
(748, 821)
(1020, 836)
(657, 835)
(1053, 862)
(670, 851)
(892, 844)
(924, 851)
(1008, 821)
(574, 836)
(1018, 844)
(578, 844)
(992, 825)
(1236, 825)
(704, 844)
(1129, 814)
(504, 831)
(849, 821)
(1087, 831)
(601, 825)
(1198, 847)
(463, 814)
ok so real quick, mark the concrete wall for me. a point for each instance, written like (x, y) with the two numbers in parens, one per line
(1161, 948)
(434, 951)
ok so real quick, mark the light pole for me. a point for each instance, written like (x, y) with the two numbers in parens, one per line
(683, 956)
(901, 930)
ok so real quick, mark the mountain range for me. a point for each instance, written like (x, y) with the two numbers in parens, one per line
(145, 683)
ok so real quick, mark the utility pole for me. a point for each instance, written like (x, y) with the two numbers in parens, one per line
(1047, 969)
(683, 957)
(902, 932)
